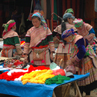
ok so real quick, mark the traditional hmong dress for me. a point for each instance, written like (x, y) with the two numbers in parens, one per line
(39, 40)
(87, 63)
(10, 41)
(85, 31)
(63, 51)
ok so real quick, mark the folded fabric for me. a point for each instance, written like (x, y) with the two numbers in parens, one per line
(37, 76)
(58, 79)
(16, 73)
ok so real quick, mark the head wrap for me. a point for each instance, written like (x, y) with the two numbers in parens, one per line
(67, 33)
(37, 14)
(68, 15)
(8, 26)
(78, 22)
(69, 10)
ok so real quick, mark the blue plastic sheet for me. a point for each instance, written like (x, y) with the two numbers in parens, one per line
(16, 88)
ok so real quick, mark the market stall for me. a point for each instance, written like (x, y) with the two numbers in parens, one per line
(16, 88)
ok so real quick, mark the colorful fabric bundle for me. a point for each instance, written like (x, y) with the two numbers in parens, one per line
(8, 26)
(37, 76)
(67, 33)
(69, 10)
(78, 23)
(16, 73)
(59, 79)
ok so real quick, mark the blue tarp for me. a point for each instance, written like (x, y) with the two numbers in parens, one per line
(16, 88)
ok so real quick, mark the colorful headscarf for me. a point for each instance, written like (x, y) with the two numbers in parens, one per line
(69, 10)
(78, 23)
(37, 14)
(67, 33)
(68, 15)
(8, 26)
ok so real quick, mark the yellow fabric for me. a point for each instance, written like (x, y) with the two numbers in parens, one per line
(37, 76)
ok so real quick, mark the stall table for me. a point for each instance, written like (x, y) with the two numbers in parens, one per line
(16, 88)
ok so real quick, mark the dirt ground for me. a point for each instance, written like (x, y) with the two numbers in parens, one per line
(93, 93)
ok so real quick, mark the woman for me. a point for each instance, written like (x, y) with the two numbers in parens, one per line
(63, 49)
(38, 40)
(84, 58)
(87, 31)
(11, 43)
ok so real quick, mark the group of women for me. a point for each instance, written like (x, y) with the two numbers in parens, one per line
(77, 38)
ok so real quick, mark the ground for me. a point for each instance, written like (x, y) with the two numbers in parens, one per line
(93, 93)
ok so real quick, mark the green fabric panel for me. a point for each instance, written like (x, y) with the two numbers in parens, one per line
(28, 39)
(45, 41)
(55, 9)
(50, 38)
(11, 41)
(16, 40)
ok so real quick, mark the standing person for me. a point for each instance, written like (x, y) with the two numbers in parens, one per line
(84, 58)
(87, 31)
(63, 49)
(39, 39)
(11, 43)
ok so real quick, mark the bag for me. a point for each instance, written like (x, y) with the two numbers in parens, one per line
(38, 57)
(39, 54)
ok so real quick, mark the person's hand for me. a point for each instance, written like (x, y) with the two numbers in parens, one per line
(90, 36)
(51, 56)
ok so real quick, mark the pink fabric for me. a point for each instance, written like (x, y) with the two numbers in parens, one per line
(85, 29)
(37, 35)
(9, 28)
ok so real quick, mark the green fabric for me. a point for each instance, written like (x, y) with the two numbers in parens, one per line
(44, 42)
(70, 10)
(87, 53)
(7, 24)
(59, 79)
(55, 9)
(78, 23)
(11, 41)
(27, 39)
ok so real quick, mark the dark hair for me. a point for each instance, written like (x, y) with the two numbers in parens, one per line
(63, 28)
(36, 17)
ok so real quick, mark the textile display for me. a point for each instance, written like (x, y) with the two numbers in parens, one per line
(32, 90)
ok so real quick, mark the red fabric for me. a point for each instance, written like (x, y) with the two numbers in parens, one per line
(15, 75)
(11, 25)
(18, 62)
(9, 28)
(59, 71)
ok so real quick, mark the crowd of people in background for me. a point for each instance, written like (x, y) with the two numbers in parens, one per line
(74, 36)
